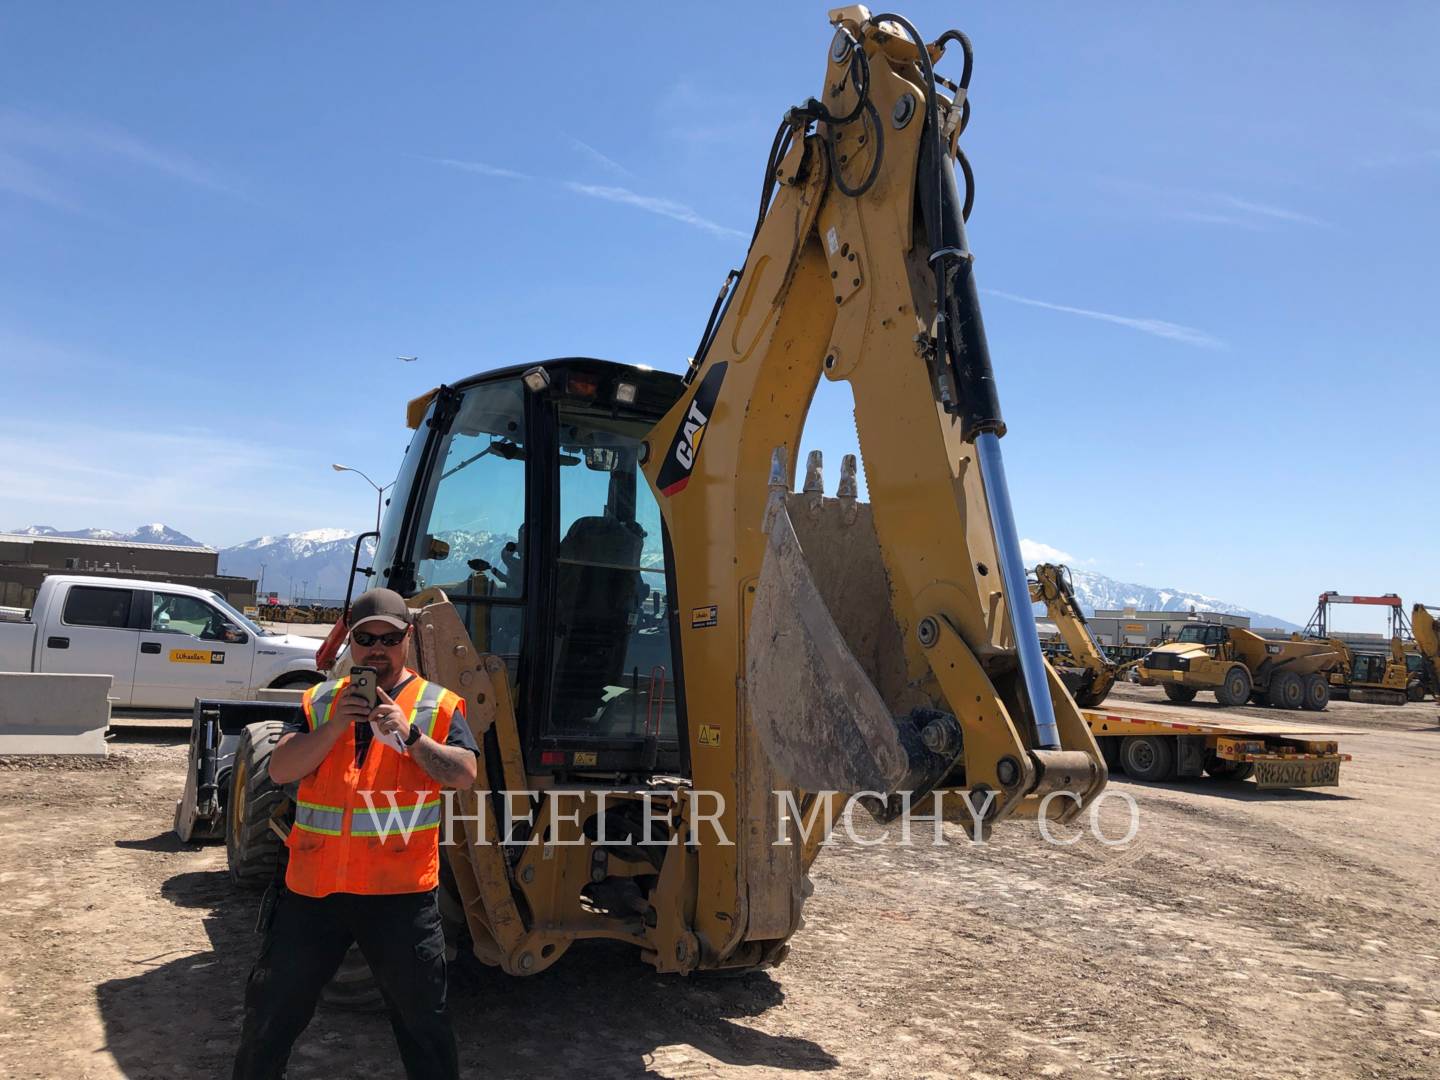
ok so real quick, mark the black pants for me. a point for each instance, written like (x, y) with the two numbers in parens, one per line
(401, 938)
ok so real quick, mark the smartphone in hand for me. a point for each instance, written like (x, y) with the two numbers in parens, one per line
(363, 682)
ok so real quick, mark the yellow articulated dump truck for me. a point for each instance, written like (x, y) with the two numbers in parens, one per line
(1240, 666)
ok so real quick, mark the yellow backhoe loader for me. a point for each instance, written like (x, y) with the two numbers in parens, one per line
(1240, 666)
(1084, 667)
(669, 656)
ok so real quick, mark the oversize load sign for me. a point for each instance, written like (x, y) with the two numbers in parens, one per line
(684, 449)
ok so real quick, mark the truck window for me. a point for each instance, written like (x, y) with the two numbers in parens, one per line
(172, 613)
(88, 605)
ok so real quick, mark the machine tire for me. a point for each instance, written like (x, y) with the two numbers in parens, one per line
(1317, 692)
(1180, 695)
(353, 987)
(1109, 750)
(1235, 690)
(252, 849)
(1150, 758)
(1415, 691)
(1286, 691)
(298, 680)
(1218, 768)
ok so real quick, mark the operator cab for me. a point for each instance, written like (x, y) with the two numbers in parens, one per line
(522, 497)
(1207, 634)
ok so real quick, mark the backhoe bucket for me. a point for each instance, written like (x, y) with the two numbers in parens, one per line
(832, 706)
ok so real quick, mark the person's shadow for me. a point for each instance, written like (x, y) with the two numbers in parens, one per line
(599, 1012)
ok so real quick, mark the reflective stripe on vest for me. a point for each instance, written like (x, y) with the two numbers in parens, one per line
(322, 702)
(427, 709)
(386, 820)
(318, 818)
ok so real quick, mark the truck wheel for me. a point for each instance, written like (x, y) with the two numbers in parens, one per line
(1316, 692)
(1148, 757)
(1286, 691)
(1109, 750)
(1181, 695)
(251, 847)
(1235, 690)
(1219, 768)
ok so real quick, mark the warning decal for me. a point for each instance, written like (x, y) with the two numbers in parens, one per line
(709, 735)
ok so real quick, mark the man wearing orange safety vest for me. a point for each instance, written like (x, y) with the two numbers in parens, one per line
(364, 852)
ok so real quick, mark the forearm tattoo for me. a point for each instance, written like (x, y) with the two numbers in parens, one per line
(442, 763)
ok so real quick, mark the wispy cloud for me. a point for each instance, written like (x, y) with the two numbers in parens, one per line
(1401, 160)
(1186, 335)
(609, 164)
(38, 154)
(1034, 551)
(1208, 207)
(650, 204)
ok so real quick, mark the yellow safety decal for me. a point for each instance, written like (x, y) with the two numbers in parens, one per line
(709, 735)
(585, 757)
(702, 618)
(196, 656)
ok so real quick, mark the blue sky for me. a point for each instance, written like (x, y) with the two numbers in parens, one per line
(1207, 236)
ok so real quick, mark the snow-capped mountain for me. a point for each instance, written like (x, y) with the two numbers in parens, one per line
(1098, 591)
(313, 564)
(145, 534)
(317, 563)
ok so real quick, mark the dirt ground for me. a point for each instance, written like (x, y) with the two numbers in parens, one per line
(1239, 934)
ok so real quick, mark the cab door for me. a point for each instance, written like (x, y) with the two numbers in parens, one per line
(93, 633)
(189, 649)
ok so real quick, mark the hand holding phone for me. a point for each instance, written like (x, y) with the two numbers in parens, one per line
(363, 683)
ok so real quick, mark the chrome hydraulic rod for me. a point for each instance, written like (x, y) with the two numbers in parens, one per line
(1017, 591)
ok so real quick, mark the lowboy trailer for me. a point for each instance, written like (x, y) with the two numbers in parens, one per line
(1158, 743)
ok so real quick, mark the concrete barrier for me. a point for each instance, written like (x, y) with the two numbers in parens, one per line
(54, 714)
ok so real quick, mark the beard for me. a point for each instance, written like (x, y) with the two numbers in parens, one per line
(386, 670)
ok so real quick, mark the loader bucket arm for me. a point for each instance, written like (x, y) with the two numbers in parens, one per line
(891, 645)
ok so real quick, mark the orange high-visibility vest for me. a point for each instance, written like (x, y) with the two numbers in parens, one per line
(389, 844)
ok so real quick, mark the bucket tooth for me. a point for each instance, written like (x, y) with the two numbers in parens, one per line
(814, 473)
(848, 488)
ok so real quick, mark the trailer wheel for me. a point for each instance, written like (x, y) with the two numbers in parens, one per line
(1235, 690)
(1109, 750)
(1148, 757)
(1181, 695)
(251, 847)
(1219, 768)
(1317, 692)
(1286, 691)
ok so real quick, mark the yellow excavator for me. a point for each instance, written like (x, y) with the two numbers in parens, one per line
(1368, 675)
(1084, 667)
(670, 657)
(1425, 628)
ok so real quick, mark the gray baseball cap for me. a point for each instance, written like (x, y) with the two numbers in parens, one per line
(380, 605)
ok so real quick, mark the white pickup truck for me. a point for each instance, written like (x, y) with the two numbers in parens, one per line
(163, 645)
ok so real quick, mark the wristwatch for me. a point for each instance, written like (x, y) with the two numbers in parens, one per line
(414, 736)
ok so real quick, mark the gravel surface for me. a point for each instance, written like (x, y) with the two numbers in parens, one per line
(1240, 934)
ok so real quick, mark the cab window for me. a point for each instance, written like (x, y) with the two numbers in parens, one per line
(472, 542)
(612, 674)
(174, 613)
(87, 605)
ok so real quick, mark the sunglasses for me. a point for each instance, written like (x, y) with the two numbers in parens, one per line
(364, 640)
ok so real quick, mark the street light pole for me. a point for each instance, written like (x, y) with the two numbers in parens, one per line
(379, 490)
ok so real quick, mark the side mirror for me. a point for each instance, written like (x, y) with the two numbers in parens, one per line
(233, 635)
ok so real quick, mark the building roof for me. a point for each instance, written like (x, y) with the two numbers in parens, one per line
(130, 545)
